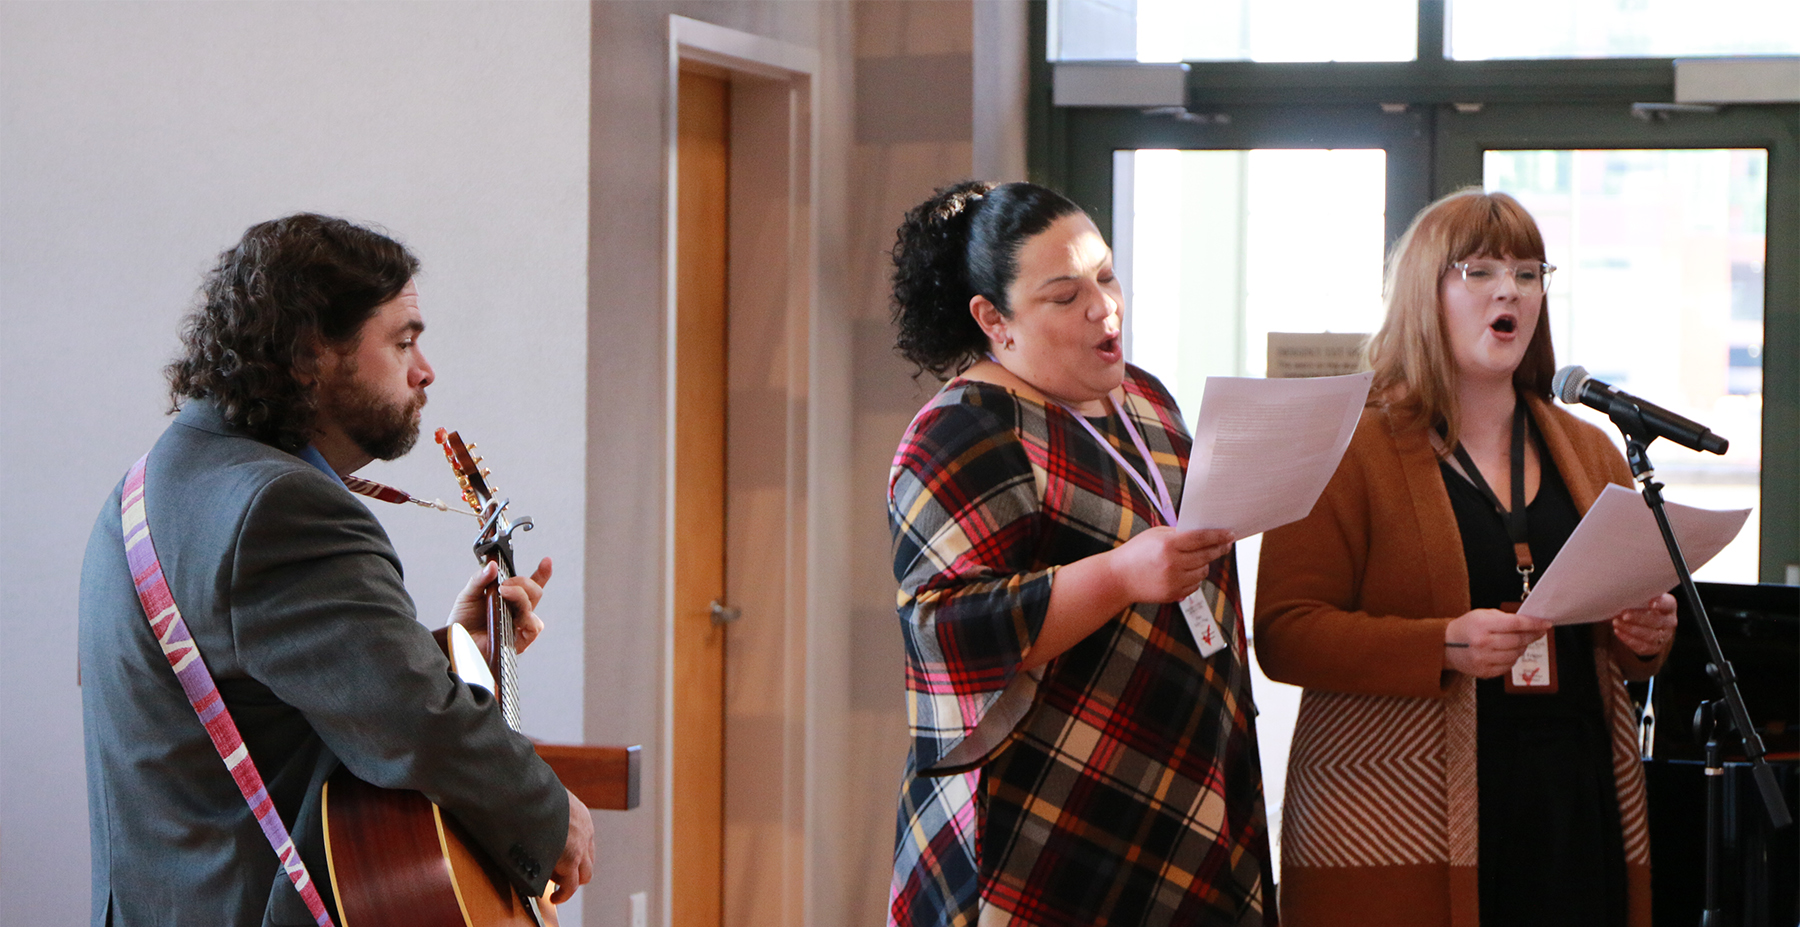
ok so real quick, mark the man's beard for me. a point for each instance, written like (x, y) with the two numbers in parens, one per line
(383, 431)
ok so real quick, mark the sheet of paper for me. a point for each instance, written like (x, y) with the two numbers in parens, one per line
(1616, 558)
(1264, 449)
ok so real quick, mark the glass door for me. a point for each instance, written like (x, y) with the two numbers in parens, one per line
(1232, 223)
(1218, 250)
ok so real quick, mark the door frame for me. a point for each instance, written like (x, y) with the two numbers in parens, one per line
(770, 319)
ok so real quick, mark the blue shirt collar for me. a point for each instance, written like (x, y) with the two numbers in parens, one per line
(312, 456)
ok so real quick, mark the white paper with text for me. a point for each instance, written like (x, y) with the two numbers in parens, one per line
(1264, 449)
(1616, 558)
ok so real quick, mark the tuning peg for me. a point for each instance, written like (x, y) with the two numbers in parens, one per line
(485, 472)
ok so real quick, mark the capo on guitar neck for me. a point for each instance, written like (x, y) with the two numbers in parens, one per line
(494, 542)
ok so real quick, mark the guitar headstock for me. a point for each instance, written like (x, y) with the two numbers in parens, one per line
(469, 474)
(493, 544)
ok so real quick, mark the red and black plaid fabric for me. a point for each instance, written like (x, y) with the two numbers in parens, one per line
(1120, 784)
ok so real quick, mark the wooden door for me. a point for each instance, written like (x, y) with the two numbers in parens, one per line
(699, 529)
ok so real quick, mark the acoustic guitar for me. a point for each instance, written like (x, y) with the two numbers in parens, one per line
(396, 859)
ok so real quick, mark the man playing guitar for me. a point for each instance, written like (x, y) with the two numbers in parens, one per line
(300, 366)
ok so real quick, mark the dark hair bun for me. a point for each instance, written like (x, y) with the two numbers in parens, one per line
(961, 243)
(931, 281)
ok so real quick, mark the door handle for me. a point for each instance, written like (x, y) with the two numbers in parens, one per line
(725, 614)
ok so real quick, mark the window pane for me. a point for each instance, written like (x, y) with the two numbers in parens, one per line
(1220, 248)
(1233, 30)
(1481, 29)
(1660, 293)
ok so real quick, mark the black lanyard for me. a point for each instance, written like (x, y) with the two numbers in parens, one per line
(1515, 517)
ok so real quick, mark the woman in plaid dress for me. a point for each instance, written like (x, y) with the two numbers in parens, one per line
(1079, 757)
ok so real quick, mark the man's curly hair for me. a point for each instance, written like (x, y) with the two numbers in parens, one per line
(288, 289)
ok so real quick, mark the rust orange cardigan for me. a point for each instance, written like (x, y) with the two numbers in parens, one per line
(1379, 822)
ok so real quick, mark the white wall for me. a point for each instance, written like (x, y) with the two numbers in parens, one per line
(139, 140)
(518, 148)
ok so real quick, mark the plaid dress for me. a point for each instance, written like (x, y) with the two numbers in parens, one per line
(1119, 784)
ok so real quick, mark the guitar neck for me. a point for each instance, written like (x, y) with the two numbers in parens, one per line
(503, 657)
(492, 545)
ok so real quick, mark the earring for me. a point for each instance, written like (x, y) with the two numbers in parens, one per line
(1008, 345)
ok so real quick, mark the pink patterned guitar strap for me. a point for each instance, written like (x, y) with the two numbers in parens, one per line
(184, 658)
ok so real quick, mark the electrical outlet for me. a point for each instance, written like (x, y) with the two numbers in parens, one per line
(640, 909)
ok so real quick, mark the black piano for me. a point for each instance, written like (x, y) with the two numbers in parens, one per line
(1758, 627)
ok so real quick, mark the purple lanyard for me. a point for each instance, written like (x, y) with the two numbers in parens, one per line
(1165, 506)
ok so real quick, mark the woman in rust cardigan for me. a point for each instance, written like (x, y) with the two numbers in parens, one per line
(1434, 777)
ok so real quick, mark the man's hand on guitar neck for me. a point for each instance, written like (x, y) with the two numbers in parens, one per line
(576, 866)
(521, 594)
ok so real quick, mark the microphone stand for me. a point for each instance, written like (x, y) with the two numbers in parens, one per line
(1706, 724)
(1631, 423)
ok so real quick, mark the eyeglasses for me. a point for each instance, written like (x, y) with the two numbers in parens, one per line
(1483, 277)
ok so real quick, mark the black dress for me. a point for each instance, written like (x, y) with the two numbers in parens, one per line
(1552, 850)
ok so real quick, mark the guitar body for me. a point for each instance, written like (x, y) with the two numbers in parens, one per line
(396, 860)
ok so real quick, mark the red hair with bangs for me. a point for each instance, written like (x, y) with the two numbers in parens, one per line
(1415, 371)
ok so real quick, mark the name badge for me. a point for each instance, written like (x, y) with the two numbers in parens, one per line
(1201, 623)
(1535, 671)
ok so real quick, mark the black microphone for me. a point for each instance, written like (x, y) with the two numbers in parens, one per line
(1642, 420)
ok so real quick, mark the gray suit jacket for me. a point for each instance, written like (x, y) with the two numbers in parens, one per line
(292, 591)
